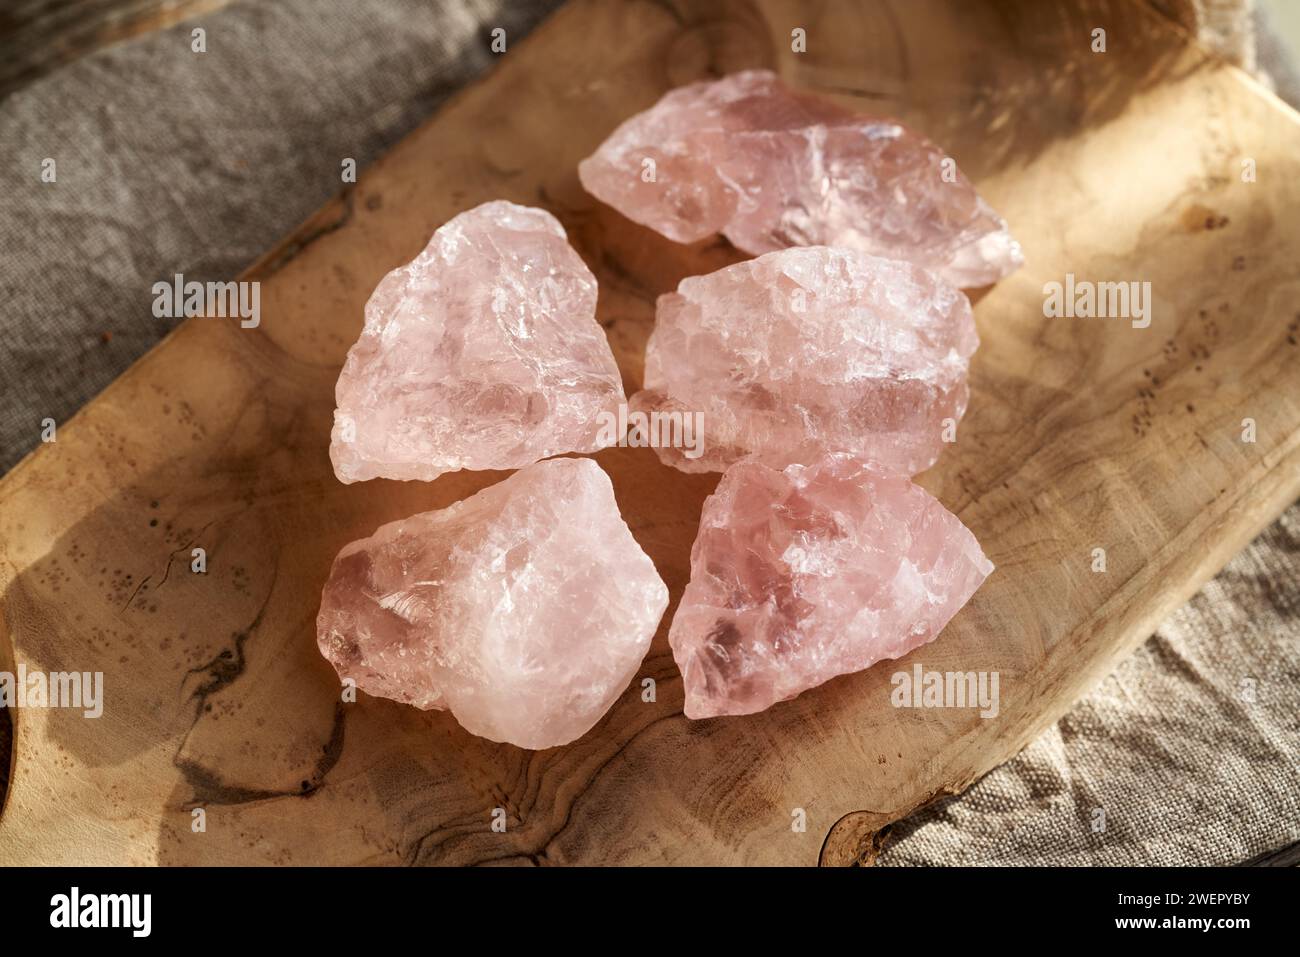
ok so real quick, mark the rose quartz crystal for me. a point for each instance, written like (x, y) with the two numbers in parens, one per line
(812, 348)
(815, 571)
(481, 353)
(525, 609)
(771, 168)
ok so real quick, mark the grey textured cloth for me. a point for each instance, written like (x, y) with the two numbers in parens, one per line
(170, 164)
(1277, 66)
(1190, 751)
(173, 161)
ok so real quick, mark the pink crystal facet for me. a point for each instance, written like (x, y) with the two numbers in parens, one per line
(811, 572)
(770, 168)
(481, 353)
(525, 609)
(812, 349)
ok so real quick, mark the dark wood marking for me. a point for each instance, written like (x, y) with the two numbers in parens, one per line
(41, 36)
(1288, 856)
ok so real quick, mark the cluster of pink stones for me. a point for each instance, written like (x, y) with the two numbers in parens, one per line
(829, 371)
(525, 609)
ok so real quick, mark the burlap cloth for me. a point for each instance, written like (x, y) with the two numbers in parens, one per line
(164, 167)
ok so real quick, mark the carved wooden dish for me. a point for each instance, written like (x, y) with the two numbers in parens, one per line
(1081, 434)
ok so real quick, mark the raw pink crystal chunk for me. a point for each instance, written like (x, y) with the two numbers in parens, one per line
(525, 609)
(770, 168)
(815, 571)
(482, 353)
(812, 348)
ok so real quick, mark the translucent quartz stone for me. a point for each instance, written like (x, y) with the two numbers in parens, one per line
(525, 609)
(812, 349)
(482, 353)
(810, 572)
(768, 168)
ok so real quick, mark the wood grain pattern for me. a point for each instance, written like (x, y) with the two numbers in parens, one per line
(1081, 433)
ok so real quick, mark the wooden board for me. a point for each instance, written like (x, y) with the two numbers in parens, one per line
(1081, 434)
